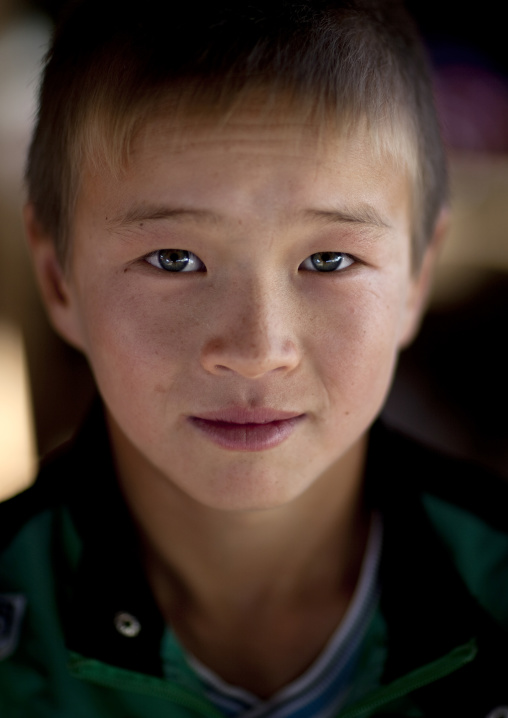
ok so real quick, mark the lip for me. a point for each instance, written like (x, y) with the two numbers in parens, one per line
(239, 429)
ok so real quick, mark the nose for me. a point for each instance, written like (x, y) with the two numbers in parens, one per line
(253, 335)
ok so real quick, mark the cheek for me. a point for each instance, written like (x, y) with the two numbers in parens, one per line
(356, 340)
(135, 338)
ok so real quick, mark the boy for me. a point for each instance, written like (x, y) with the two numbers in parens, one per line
(234, 212)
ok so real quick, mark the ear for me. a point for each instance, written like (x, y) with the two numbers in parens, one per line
(422, 281)
(54, 286)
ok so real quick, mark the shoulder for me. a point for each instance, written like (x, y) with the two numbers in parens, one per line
(46, 494)
(63, 477)
(466, 510)
(418, 468)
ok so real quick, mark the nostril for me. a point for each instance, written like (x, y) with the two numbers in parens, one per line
(222, 368)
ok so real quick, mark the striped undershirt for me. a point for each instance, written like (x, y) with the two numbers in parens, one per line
(322, 690)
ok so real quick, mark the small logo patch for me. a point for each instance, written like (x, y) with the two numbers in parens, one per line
(12, 608)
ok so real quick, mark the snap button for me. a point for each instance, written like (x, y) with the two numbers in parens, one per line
(499, 712)
(127, 624)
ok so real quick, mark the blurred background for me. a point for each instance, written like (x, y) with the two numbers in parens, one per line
(450, 388)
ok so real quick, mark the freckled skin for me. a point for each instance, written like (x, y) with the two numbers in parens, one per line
(253, 329)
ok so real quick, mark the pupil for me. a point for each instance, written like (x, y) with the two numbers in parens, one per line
(174, 260)
(326, 261)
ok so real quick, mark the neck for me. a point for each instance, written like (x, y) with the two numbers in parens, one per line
(221, 561)
(254, 595)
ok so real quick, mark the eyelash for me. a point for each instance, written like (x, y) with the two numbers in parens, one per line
(320, 262)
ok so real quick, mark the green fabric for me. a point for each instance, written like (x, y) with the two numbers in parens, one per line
(41, 680)
(478, 551)
(138, 688)
(399, 691)
(26, 568)
(174, 664)
(371, 661)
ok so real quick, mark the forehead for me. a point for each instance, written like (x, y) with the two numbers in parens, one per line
(251, 129)
(254, 159)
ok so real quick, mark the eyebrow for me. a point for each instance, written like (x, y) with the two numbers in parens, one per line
(363, 214)
(137, 215)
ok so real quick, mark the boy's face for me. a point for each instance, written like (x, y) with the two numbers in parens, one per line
(250, 332)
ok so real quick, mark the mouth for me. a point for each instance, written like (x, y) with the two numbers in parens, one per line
(239, 429)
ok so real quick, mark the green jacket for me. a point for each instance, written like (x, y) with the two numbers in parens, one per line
(69, 569)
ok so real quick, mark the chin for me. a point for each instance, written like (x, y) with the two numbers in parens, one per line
(246, 495)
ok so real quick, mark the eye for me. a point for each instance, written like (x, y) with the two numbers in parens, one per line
(175, 260)
(327, 261)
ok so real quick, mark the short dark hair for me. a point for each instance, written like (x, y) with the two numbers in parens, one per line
(114, 63)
